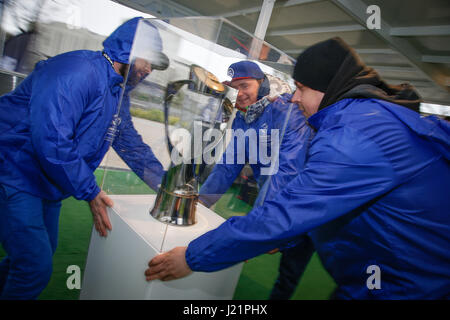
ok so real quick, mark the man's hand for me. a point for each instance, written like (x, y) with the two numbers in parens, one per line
(98, 208)
(170, 265)
(273, 251)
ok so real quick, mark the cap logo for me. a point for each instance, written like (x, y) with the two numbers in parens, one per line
(230, 72)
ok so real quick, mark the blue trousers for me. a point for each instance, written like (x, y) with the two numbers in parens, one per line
(292, 265)
(28, 234)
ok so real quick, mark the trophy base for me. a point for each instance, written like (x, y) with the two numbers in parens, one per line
(175, 208)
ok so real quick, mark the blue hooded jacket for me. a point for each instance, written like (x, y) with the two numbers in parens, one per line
(54, 125)
(374, 191)
(295, 135)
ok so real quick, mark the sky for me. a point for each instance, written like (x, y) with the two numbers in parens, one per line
(102, 16)
(99, 16)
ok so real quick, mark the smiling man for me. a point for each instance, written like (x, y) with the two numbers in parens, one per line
(373, 194)
(247, 91)
(260, 113)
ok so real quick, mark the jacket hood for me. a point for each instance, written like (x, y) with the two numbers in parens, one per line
(403, 94)
(334, 68)
(119, 44)
(356, 80)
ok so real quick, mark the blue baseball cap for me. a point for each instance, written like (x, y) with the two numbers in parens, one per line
(245, 70)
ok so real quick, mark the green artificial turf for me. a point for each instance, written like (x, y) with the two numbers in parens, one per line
(257, 277)
(122, 182)
(74, 233)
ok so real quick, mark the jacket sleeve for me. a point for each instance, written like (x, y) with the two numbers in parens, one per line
(61, 94)
(137, 155)
(344, 171)
(221, 177)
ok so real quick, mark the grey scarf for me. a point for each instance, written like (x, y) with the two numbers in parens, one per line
(255, 110)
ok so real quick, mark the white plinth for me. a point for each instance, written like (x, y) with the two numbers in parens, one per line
(115, 265)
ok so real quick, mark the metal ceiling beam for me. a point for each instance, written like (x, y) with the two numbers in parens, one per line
(324, 29)
(286, 4)
(393, 68)
(160, 8)
(436, 59)
(415, 83)
(418, 31)
(360, 51)
(434, 100)
(264, 18)
(242, 12)
(376, 51)
(357, 10)
(133, 5)
(178, 7)
(261, 27)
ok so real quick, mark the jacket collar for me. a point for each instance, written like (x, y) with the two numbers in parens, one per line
(114, 79)
(317, 119)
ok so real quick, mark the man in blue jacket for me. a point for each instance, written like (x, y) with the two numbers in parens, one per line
(258, 114)
(373, 194)
(55, 129)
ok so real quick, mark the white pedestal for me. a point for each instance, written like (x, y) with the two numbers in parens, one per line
(115, 265)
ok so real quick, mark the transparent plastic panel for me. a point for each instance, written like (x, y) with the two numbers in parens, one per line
(175, 125)
(34, 30)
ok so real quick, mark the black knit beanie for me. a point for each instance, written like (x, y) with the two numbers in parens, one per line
(318, 64)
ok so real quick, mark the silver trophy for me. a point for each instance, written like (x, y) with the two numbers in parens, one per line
(197, 113)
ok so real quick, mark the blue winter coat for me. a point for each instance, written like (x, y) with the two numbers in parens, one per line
(54, 126)
(374, 191)
(295, 134)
